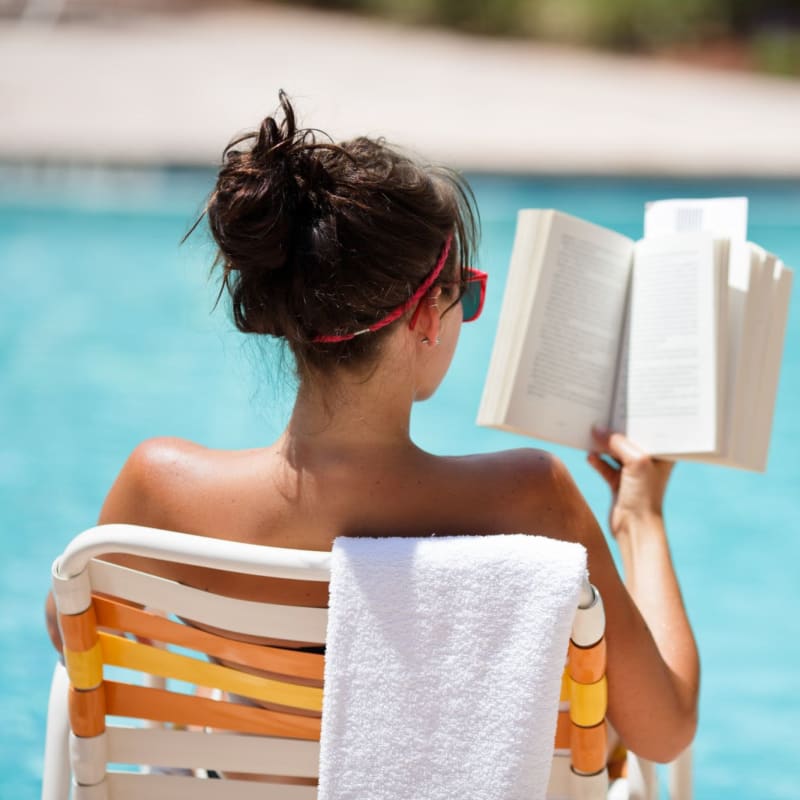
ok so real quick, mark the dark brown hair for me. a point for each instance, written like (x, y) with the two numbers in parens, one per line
(317, 238)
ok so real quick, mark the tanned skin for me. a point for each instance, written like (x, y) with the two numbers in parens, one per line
(346, 465)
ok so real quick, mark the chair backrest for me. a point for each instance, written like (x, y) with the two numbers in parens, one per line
(257, 713)
(581, 747)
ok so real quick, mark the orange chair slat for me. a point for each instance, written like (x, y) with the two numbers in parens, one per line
(587, 664)
(121, 617)
(159, 705)
(589, 748)
(565, 686)
(87, 711)
(618, 763)
(79, 631)
(563, 731)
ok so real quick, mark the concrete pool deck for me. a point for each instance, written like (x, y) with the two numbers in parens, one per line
(174, 88)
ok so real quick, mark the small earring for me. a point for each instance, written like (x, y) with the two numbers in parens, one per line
(425, 340)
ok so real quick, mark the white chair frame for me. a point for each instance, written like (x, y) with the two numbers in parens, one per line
(77, 573)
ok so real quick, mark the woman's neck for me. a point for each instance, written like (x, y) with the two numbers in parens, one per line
(348, 412)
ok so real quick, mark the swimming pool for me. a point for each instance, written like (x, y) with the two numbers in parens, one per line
(107, 338)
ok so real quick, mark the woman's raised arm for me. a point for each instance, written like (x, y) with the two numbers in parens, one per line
(653, 665)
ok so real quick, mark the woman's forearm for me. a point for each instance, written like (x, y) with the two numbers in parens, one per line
(661, 665)
(651, 580)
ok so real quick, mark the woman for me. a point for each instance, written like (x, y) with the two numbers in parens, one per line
(355, 256)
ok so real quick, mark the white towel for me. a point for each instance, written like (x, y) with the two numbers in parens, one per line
(443, 666)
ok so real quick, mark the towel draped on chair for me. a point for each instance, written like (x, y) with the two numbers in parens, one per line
(443, 666)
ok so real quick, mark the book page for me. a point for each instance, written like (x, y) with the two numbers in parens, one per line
(743, 259)
(565, 372)
(619, 403)
(759, 301)
(753, 335)
(673, 364)
(523, 277)
(724, 217)
(770, 364)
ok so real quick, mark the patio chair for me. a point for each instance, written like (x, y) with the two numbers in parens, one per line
(116, 617)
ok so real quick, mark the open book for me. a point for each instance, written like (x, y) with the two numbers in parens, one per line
(675, 339)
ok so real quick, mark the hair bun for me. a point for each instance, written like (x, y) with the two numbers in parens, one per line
(268, 192)
(314, 182)
(317, 238)
(297, 157)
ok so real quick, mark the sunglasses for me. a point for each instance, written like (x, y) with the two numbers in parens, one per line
(474, 294)
(472, 298)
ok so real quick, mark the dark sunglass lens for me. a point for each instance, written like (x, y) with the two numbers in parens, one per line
(471, 300)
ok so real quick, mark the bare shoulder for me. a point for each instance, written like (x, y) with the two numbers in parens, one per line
(157, 481)
(527, 470)
(529, 490)
(168, 460)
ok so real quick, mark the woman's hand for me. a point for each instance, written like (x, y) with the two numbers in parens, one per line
(637, 481)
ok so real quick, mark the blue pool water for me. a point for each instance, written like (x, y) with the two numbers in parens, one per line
(107, 338)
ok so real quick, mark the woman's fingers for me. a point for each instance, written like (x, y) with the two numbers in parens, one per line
(606, 471)
(617, 445)
(638, 485)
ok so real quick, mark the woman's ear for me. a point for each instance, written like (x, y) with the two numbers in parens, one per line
(429, 318)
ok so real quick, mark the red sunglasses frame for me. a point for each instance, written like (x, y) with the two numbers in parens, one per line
(473, 275)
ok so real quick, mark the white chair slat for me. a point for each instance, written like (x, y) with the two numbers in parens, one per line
(558, 787)
(99, 791)
(643, 779)
(184, 548)
(134, 786)
(295, 623)
(89, 756)
(680, 776)
(589, 624)
(56, 777)
(589, 787)
(220, 751)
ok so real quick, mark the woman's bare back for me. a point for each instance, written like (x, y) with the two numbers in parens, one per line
(261, 496)
(305, 500)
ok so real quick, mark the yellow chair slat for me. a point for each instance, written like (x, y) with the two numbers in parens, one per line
(121, 652)
(588, 702)
(85, 668)
(144, 624)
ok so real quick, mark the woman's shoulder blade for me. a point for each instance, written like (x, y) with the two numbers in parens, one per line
(162, 478)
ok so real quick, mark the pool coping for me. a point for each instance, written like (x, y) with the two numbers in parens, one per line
(172, 89)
